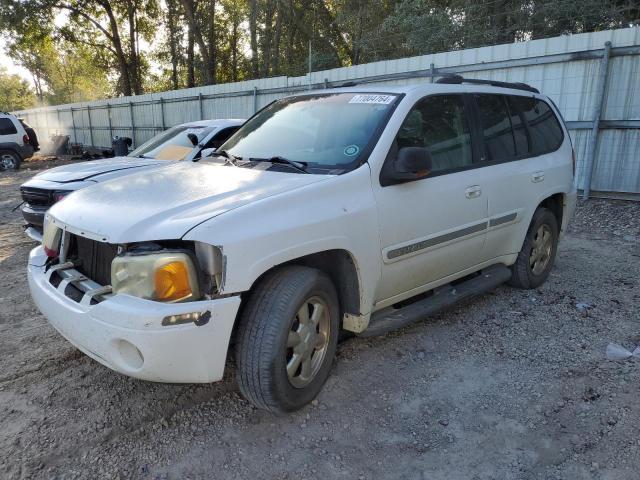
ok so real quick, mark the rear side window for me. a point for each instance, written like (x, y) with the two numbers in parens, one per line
(520, 135)
(499, 143)
(543, 126)
(439, 124)
(7, 127)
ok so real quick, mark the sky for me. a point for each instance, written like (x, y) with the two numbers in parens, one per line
(11, 67)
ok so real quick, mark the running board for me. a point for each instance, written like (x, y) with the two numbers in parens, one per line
(390, 319)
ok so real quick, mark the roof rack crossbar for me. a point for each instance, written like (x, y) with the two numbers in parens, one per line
(456, 79)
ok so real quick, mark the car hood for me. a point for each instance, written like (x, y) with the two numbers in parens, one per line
(88, 170)
(166, 203)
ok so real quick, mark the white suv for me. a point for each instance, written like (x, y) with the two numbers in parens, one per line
(358, 209)
(15, 142)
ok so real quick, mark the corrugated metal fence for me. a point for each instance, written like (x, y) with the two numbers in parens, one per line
(594, 78)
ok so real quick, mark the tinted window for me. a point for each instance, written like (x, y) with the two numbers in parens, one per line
(499, 144)
(520, 134)
(221, 137)
(7, 127)
(546, 133)
(439, 123)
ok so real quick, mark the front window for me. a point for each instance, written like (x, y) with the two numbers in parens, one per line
(174, 144)
(328, 133)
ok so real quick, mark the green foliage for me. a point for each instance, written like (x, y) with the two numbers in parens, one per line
(15, 92)
(85, 49)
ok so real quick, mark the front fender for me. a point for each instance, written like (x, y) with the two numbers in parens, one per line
(337, 214)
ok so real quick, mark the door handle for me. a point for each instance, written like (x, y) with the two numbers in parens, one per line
(473, 192)
(537, 177)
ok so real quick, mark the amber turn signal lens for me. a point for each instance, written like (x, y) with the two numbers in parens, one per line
(172, 282)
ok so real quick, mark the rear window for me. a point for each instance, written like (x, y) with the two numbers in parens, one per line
(544, 129)
(7, 127)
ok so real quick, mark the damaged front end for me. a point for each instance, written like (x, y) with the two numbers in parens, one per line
(167, 271)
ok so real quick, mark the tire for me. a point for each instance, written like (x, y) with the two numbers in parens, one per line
(9, 160)
(266, 334)
(535, 260)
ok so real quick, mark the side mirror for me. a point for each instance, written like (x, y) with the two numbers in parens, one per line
(193, 138)
(411, 163)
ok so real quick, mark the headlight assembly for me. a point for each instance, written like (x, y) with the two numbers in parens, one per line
(164, 276)
(51, 237)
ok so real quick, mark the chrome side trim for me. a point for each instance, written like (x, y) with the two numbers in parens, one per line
(494, 222)
(430, 242)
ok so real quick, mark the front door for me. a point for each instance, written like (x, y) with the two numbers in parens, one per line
(433, 227)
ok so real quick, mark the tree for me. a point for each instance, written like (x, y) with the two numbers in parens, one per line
(15, 92)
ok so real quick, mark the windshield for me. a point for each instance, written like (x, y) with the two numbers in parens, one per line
(326, 132)
(174, 144)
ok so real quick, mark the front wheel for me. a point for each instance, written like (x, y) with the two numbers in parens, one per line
(538, 253)
(287, 338)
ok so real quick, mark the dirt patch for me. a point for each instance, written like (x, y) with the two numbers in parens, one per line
(514, 385)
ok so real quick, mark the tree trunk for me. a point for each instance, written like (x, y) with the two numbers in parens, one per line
(125, 79)
(191, 81)
(276, 44)
(268, 36)
(134, 66)
(253, 34)
(189, 9)
(173, 40)
(234, 50)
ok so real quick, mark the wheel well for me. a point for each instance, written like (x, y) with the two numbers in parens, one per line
(555, 203)
(341, 269)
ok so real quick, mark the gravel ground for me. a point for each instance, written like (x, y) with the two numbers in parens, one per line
(514, 385)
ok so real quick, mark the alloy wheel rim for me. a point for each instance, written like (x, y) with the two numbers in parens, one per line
(541, 249)
(8, 162)
(308, 341)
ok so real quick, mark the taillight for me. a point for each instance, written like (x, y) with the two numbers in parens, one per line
(573, 158)
(25, 139)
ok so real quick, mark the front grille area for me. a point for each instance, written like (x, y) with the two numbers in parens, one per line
(37, 196)
(92, 259)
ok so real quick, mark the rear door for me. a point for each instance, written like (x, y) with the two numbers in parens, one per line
(519, 135)
(433, 227)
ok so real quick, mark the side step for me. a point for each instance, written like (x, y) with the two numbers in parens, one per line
(390, 319)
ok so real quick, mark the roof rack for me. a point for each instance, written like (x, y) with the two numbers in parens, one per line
(457, 79)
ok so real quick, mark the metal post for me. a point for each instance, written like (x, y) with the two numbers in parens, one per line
(309, 63)
(326, 83)
(73, 126)
(109, 120)
(162, 113)
(255, 99)
(133, 125)
(589, 163)
(90, 127)
(201, 106)
(432, 67)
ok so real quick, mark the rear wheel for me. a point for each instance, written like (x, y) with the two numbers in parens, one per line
(535, 260)
(287, 338)
(9, 160)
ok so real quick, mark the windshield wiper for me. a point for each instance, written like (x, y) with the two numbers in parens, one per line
(232, 159)
(299, 166)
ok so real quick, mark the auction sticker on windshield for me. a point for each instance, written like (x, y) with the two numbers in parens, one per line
(380, 99)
